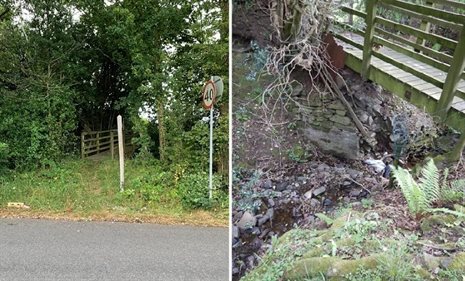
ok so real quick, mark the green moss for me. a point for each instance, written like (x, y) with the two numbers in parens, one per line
(310, 267)
(458, 263)
(344, 267)
(436, 220)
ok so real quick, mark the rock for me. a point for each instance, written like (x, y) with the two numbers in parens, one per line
(458, 262)
(262, 220)
(343, 120)
(281, 186)
(302, 179)
(314, 203)
(250, 261)
(235, 232)
(337, 142)
(328, 203)
(319, 191)
(270, 213)
(271, 202)
(309, 267)
(247, 221)
(363, 117)
(355, 193)
(308, 194)
(267, 184)
(323, 167)
(342, 268)
(336, 105)
(431, 262)
(370, 121)
(264, 233)
(255, 231)
(354, 174)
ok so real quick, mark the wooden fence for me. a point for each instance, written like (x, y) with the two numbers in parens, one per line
(98, 141)
(385, 32)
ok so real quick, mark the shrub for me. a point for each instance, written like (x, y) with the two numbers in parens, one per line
(193, 191)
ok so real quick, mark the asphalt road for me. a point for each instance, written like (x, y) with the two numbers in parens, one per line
(60, 250)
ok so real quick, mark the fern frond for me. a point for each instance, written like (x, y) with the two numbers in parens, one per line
(409, 188)
(444, 178)
(429, 183)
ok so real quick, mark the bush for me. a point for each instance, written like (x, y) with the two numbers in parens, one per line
(193, 191)
(3, 155)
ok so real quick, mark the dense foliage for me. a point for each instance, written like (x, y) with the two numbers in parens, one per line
(74, 65)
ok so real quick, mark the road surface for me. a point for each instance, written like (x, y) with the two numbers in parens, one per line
(60, 250)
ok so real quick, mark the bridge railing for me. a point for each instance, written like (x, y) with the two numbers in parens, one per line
(95, 142)
(378, 31)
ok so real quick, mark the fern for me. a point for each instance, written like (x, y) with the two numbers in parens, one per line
(421, 195)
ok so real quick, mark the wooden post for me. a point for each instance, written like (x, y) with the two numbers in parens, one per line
(453, 77)
(369, 33)
(121, 151)
(98, 141)
(112, 145)
(425, 26)
(82, 145)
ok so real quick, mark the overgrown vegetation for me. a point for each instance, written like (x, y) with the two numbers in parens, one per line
(79, 187)
(73, 66)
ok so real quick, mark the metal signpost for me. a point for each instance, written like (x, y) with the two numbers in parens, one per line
(211, 92)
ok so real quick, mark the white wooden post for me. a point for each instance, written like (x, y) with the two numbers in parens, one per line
(121, 151)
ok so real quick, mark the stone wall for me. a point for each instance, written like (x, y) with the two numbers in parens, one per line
(326, 123)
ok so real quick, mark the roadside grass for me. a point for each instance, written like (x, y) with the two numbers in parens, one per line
(87, 189)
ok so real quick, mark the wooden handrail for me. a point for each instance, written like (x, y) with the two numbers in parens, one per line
(425, 10)
(449, 3)
(430, 19)
(449, 43)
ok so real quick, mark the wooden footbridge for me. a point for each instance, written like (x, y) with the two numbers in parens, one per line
(405, 60)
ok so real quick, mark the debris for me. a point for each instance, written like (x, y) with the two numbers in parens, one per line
(19, 205)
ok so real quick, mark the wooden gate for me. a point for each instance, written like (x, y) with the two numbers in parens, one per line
(98, 141)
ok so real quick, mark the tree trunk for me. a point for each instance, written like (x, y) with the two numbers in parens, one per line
(161, 128)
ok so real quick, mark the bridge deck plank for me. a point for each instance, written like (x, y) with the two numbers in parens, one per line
(406, 77)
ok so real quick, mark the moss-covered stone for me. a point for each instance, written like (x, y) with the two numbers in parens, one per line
(342, 268)
(428, 223)
(458, 262)
(310, 267)
(343, 120)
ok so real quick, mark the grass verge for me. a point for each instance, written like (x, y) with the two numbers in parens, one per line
(89, 190)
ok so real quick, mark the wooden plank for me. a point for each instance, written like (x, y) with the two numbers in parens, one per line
(410, 69)
(423, 87)
(417, 32)
(432, 53)
(368, 40)
(348, 41)
(449, 3)
(430, 19)
(438, 13)
(432, 91)
(353, 11)
(350, 28)
(453, 77)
